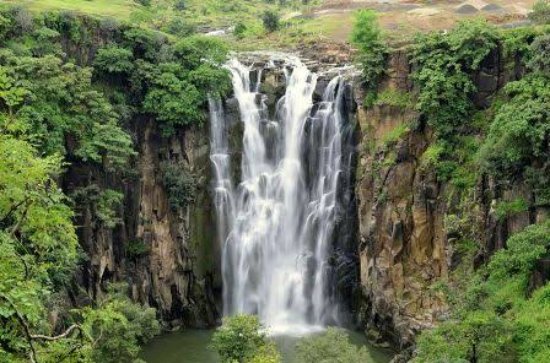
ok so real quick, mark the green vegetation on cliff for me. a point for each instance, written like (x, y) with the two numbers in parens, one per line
(71, 89)
(366, 36)
(481, 96)
(498, 315)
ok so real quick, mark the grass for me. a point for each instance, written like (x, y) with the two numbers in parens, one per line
(120, 9)
(202, 15)
(395, 134)
(393, 97)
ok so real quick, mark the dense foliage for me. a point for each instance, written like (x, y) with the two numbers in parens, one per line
(496, 315)
(180, 185)
(499, 313)
(516, 124)
(517, 143)
(240, 339)
(332, 346)
(366, 36)
(270, 20)
(444, 67)
(66, 106)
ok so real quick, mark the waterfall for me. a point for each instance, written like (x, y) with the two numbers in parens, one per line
(276, 224)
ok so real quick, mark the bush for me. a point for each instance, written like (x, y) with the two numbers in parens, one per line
(444, 65)
(145, 3)
(180, 185)
(541, 12)
(180, 5)
(506, 209)
(539, 50)
(366, 36)
(181, 27)
(239, 30)
(136, 249)
(270, 20)
(332, 346)
(240, 339)
(114, 60)
(521, 126)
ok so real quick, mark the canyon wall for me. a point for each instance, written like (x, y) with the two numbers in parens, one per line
(409, 220)
(168, 256)
(393, 244)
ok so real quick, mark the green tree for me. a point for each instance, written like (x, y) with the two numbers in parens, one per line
(180, 185)
(366, 36)
(113, 60)
(118, 327)
(331, 346)
(495, 316)
(270, 21)
(444, 66)
(240, 339)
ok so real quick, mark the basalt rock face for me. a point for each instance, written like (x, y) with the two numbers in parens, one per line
(169, 257)
(405, 227)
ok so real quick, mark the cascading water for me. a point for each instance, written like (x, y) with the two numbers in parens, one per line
(277, 223)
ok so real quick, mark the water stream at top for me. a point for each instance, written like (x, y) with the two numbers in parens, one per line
(276, 224)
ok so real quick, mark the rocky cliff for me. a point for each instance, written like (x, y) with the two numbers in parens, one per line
(168, 256)
(409, 220)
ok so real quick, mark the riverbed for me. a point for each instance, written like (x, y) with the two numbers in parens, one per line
(191, 346)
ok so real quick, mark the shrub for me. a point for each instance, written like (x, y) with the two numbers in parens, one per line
(181, 27)
(240, 339)
(114, 60)
(540, 55)
(332, 346)
(541, 12)
(444, 64)
(521, 126)
(366, 36)
(180, 185)
(145, 3)
(270, 20)
(239, 30)
(394, 98)
(180, 5)
(394, 135)
(136, 249)
(46, 42)
(506, 209)
(5, 24)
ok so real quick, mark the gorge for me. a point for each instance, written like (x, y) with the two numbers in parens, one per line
(154, 182)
